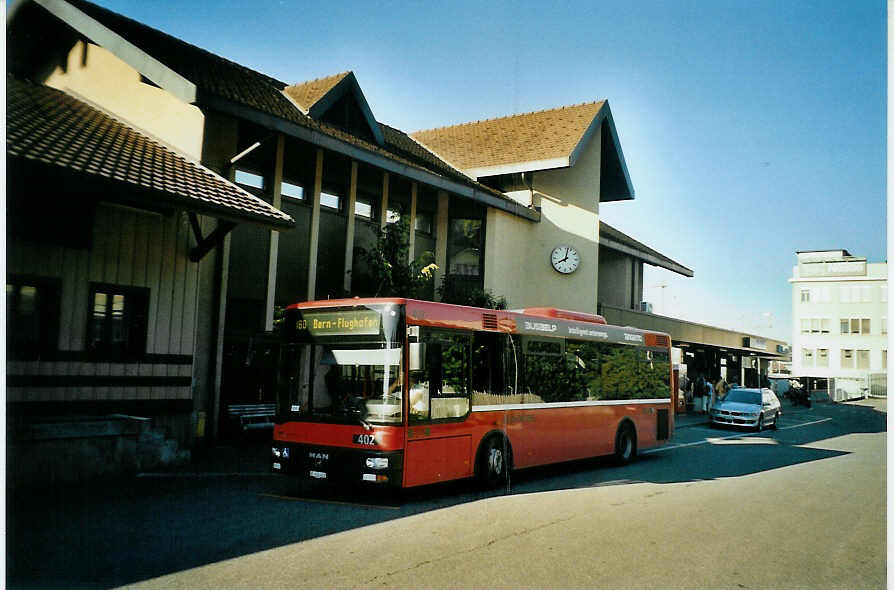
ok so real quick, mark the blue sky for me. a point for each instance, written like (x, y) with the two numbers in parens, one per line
(750, 129)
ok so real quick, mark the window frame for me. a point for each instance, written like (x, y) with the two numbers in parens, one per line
(48, 310)
(290, 183)
(137, 322)
(863, 359)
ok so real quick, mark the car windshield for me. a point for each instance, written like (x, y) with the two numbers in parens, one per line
(742, 396)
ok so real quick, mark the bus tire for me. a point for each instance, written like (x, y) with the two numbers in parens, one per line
(625, 444)
(493, 462)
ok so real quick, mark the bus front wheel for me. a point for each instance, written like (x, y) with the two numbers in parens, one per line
(625, 444)
(492, 467)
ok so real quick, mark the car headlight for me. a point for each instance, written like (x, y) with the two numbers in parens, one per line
(377, 462)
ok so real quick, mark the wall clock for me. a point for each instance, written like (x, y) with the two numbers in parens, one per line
(565, 259)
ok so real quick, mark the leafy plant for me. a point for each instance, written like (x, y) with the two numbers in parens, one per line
(392, 274)
(461, 292)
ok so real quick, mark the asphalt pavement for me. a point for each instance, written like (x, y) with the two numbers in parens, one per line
(227, 505)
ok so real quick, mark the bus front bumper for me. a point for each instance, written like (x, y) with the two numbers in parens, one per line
(337, 465)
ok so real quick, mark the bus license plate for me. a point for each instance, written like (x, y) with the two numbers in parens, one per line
(318, 474)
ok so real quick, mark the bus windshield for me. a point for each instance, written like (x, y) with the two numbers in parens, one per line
(345, 377)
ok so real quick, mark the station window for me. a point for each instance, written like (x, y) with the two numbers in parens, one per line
(423, 222)
(292, 190)
(330, 200)
(249, 179)
(847, 358)
(363, 209)
(32, 316)
(822, 357)
(118, 320)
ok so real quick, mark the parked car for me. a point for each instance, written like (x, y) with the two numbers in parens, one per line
(748, 407)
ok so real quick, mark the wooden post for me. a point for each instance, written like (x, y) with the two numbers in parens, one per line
(314, 237)
(414, 188)
(441, 234)
(349, 232)
(384, 210)
(273, 254)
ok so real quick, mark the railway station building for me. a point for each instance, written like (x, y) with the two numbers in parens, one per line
(171, 201)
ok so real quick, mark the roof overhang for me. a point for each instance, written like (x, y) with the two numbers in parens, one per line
(368, 157)
(627, 245)
(614, 180)
(135, 57)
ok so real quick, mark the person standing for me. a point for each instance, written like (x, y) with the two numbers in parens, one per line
(709, 397)
(698, 393)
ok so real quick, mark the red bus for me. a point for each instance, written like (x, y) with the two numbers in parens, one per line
(399, 392)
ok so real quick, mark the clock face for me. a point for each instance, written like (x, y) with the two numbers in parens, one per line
(565, 259)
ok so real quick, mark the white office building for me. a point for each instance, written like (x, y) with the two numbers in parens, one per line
(840, 323)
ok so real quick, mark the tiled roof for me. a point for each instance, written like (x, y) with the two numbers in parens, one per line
(49, 126)
(529, 137)
(215, 76)
(306, 94)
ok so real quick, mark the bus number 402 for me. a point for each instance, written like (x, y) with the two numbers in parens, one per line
(365, 439)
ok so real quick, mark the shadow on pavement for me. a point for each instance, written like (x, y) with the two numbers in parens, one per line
(104, 535)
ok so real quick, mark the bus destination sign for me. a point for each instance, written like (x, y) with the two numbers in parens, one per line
(340, 323)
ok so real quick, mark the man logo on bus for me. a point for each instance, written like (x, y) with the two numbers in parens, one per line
(318, 456)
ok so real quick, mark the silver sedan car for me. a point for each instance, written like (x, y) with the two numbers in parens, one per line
(748, 407)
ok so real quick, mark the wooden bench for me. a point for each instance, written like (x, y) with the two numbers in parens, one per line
(253, 416)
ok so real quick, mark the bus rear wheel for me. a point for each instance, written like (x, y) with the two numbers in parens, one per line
(492, 468)
(625, 445)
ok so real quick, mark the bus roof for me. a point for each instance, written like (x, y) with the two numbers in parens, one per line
(545, 321)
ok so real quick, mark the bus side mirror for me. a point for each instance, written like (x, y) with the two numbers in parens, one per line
(417, 356)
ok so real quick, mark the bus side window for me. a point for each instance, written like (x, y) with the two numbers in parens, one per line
(440, 388)
(494, 374)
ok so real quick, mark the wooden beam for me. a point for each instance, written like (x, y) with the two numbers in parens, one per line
(215, 238)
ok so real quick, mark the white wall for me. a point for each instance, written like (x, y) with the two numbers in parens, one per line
(111, 83)
(517, 256)
(827, 301)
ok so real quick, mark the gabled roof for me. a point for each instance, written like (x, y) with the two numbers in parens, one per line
(610, 237)
(49, 127)
(529, 142)
(316, 97)
(210, 81)
(540, 140)
(306, 94)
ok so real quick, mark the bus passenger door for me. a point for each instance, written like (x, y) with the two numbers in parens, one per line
(438, 445)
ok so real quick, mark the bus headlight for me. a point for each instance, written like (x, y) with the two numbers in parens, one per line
(277, 452)
(377, 462)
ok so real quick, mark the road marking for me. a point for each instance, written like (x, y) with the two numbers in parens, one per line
(741, 435)
(324, 501)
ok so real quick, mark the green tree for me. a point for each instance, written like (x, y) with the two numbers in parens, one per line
(460, 292)
(391, 272)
